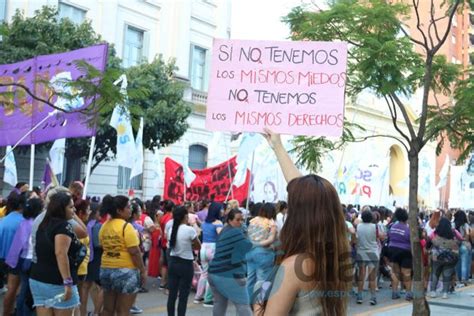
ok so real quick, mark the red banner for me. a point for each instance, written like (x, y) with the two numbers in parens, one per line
(212, 183)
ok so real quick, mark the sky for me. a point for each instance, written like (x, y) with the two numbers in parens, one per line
(261, 19)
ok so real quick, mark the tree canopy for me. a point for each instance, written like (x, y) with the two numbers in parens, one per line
(153, 92)
(383, 60)
(394, 60)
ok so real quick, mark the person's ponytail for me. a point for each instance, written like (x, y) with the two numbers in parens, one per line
(178, 215)
(108, 206)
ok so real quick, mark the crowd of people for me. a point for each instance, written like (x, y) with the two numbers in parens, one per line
(307, 255)
(381, 249)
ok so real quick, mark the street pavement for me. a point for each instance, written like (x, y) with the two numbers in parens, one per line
(461, 303)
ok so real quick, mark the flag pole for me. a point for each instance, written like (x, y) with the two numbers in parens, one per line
(184, 166)
(54, 179)
(88, 168)
(250, 185)
(32, 165)
(230, 189)
(229, 170)
(29, 133)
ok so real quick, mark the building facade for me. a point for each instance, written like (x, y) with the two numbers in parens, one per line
(141, 30)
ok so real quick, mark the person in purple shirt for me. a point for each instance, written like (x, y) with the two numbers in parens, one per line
(202, 214)
(8, 227)
(136, 213)
(19, 256)
(399, 248)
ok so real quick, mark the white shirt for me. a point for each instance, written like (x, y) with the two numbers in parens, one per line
(428, 229)
(29, 255)
(184, 242)
(148, 222)
(280, 220)
(168, 228)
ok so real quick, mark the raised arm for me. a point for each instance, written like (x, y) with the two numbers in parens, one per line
(287, 166)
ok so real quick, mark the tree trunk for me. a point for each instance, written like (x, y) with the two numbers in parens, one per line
(420, 305)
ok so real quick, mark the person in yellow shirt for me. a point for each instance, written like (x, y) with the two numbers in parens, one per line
(122, 271)
(3, 207)
(82, 211)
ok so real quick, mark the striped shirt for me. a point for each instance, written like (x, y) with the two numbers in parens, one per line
(229, 259)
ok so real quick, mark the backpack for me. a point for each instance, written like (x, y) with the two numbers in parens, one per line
(140, 237)
(447, 256)
(445, 250)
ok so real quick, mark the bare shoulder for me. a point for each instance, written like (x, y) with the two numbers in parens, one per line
(300, 269)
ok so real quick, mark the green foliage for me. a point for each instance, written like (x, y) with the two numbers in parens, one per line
(310, 151)
(163, 109)
(380, 57)
(456, 123)
(383, 59)
(43, 34)
(153, 92)
(445, 75)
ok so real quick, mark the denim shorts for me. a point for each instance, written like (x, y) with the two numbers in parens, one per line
(45, 291)
(124, 281)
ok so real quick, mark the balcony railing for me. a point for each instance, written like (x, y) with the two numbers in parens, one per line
(199, 97)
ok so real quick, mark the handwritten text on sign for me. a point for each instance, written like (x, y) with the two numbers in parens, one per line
(291, 87)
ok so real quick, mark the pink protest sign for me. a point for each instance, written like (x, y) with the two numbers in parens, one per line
(293, 88)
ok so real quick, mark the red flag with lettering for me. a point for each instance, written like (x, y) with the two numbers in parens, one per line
(212, 183)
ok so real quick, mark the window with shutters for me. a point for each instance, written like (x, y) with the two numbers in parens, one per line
(75, 14)
(197, 157)
(133, 44)
(124, 181)
(198, 68)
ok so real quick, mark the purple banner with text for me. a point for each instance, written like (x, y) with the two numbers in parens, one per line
(17, 119)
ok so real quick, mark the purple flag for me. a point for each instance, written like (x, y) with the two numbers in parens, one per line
(48, 176)
(16, 121)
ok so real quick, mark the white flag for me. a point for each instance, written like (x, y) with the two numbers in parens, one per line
(241, 173)
(189, 175)
(138, 164)
(218, 149)
(122, 123)
(156, 173)
(250, 141)
(9, 175)
(215, 142)
(56, 155)
(443, 174)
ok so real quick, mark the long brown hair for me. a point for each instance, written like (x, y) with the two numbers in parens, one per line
(315, 228)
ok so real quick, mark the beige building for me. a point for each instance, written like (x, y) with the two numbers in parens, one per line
(375, 171)
(143, 29)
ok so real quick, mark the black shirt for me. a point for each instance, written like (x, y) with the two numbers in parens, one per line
(46, 269)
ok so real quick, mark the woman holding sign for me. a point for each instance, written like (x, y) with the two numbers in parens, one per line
(314, 272)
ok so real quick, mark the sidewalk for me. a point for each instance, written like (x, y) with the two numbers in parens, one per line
(461, 303)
